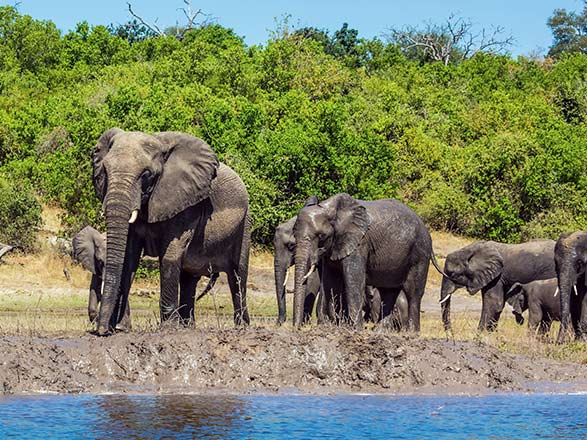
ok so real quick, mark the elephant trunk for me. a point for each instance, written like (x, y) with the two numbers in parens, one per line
(280, 269)
(95, 297)
(566, 280)
(301, 270)
(118, 212)
(446, 291)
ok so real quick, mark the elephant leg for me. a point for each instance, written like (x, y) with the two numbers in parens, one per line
(413, 288)
(354, 275)
(535, 318)
(239, 299)
(187, 295)
(309, 306)
(583, 314)
(321, 304)
(493, 300)
(170, 271)
(95, 297)
(237, 277)
(388, 301)
(332, 290)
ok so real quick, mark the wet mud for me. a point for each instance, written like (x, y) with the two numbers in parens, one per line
(273, 360)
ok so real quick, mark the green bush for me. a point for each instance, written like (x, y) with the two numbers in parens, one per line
(20, 214)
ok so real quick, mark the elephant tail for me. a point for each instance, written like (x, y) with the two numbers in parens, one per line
(213, 277)
(435, 264)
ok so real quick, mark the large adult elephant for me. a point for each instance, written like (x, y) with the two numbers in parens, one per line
(570, 257)
(381, 243)
(493, 268)
(168, 196)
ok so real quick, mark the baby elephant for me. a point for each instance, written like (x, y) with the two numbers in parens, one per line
(540, 298)
(89, 249)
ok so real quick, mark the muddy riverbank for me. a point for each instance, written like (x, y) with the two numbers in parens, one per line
(272, 360)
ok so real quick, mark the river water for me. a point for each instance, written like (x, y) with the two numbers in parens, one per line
(504, 416)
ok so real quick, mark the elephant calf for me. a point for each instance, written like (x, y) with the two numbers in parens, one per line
(540, 299)
(89, 249)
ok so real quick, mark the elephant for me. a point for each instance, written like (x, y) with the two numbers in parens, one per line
(540, 299)
(167, 195)
(355, 243)
(493, 268)
(397, 320)
(570, 256)
(284, 244)
(89, 249)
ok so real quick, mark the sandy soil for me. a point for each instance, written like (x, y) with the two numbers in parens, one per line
(272, 360)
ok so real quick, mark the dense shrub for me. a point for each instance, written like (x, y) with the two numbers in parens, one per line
(491, 147)
(20, 214)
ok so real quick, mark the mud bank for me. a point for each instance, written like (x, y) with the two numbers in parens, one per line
(270, 360)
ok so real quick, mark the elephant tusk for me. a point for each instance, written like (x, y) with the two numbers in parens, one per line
(133, 216)
(575, 288)
(312, 267)
(286, 277)
(556, 292)
(446, 298)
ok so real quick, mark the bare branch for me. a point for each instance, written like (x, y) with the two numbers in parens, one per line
(454, 38)
(153, 27)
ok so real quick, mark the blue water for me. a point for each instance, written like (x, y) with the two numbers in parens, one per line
(294, 417)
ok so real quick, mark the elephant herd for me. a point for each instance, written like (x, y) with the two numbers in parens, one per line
(167, 196)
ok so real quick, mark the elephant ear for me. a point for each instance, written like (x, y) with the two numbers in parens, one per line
(483, 266)
(190, 166)
(86, 249)
(350, 225)
(512, 297)
(100, 151)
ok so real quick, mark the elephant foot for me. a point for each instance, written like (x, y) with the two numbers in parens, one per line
(103, 331)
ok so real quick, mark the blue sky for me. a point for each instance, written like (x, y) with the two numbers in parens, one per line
(524, 19)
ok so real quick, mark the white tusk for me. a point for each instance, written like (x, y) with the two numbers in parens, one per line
(133, 216)
(445, 298)
(312, 267)
(575, 287)
(286, 277)
(556, 292)
(102, 291)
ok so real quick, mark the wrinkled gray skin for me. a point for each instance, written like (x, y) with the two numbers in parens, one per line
(192, 215)
(571, 260)
(494, 268)
(89, 249)
(355, 243)
(538, 298)
(284, 244)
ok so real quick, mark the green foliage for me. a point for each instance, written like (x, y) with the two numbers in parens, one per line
(20, 214)
(569, 30)
(489, 147)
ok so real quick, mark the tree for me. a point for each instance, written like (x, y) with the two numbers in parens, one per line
(455, 40)
(178, 31)
(569, 31)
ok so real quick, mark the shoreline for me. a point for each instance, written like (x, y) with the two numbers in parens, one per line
(275, 361)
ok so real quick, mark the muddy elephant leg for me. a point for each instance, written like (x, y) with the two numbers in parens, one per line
(580, 318)
(493, 300)
(413, 288)
(95, 297)
(354, 274)
(170, 270)
(187, 295)
(388, 301)
(239, 298)
(332, 290)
